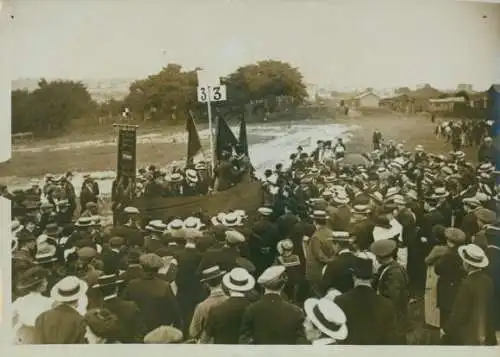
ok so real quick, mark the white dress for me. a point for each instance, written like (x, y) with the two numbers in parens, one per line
(25, 311)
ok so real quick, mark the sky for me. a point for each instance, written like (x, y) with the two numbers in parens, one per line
(336, 44)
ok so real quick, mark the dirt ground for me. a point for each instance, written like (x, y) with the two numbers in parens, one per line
(411, 130)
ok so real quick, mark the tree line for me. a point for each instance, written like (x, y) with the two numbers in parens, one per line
(170, 94)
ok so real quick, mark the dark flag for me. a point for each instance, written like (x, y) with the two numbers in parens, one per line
(224, 138)
(194, 143)
(243, 136)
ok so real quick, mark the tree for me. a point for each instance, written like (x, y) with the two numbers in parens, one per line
(265, 82)
(51, 107)
(168, 94)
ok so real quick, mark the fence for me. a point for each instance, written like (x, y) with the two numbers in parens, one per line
(22, 138)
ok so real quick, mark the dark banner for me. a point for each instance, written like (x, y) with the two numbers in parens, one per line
(126, 165)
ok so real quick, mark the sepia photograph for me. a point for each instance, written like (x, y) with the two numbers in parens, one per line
(252, 172)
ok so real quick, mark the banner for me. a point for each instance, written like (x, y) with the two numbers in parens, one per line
(224, 139)
(194, 143)
(243, 141)
(126, 165)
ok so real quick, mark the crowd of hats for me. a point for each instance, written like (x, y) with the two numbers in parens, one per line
(392, 178)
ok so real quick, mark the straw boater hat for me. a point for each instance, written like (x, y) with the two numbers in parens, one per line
(265, 211)
(217, 220)
(191, 175)
(419, 148)
(211, 273)
(131, 210)
(83, 222)
(175, 177)
(156, 226)
(273, 277)
(231, 220)
(319, 214)
(176, 227)
(108, 280)
(341, 198)
(362, 209)
(284, 245)
(327, 317)
(193, 223)
(241, 213)
(238, 279)
(473, 255)
(69, 289)
(439, 192)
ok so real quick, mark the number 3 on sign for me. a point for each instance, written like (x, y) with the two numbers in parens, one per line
(218, 93)
(202, 94)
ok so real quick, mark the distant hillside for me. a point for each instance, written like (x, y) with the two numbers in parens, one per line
(101, 90)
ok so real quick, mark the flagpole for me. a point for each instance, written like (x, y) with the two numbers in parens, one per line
(209, 109)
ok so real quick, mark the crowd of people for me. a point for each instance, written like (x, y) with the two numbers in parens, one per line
(336, 255)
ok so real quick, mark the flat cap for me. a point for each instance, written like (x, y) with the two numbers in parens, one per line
(234, 237)
(383, 248)
(271, 275)
(86, 253)
(454, 235)
(151, 261)
(485, 215)
(116, 241)
(164, 334)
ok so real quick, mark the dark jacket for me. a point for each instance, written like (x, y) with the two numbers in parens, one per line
(60, 325)
(450, 272)
(471, 316)
(156, 301)
(338, 273)
(371, 318)
(392, 283)
(225, 257)
(272, 321)
(132, 329)
(224, 320)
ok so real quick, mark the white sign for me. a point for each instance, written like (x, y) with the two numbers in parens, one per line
(207, 78)
(216, 93)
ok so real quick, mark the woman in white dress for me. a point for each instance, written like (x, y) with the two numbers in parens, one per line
(26, 309)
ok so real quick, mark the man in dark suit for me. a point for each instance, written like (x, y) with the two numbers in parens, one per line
(449, 268)
(127, 312)
(338, 273)
(89, 191)
(371, 318)
(154, 296)
(262, 241)
(272, 320)
(112, 256)
(63, 324)
(392, 282)
(471, 319)
(190, 292)
(224, 257)
(224, 320)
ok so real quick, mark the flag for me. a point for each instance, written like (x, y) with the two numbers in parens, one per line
(243, 136)
(224, 138)
(194, 143)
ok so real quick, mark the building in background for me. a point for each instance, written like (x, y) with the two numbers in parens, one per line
(363, 100)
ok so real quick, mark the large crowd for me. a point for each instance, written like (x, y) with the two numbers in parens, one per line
(336, 255)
